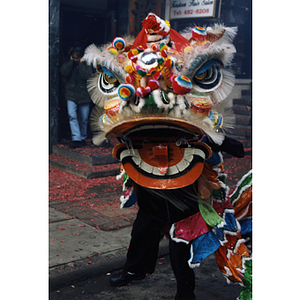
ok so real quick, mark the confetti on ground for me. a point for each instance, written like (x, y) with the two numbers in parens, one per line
(99, 198)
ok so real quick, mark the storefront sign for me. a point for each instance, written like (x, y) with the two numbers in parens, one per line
(181, 9)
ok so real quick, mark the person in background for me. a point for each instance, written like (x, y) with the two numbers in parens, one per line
(78, 100)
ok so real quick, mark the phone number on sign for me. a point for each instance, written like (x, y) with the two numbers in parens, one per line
(191, 12)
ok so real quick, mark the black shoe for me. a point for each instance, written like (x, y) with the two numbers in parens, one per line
(83, 143)
(75, 144)
(123, 278)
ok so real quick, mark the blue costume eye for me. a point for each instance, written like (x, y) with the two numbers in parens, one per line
(107, 71)
(208, 76)
(207, 65)
(107, 81)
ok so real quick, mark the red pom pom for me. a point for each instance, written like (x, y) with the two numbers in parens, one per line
(142, 92)
(153, 84)
(156, 75)
(181, 85)
(164, 53)
(154, 47)
(169, 63)
(129, 78)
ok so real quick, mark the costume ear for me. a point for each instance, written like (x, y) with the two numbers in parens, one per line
(214, 37)
(141, 39)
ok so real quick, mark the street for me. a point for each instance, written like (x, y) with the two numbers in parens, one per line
(161, 285)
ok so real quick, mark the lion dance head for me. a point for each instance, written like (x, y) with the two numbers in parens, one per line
(159, 94)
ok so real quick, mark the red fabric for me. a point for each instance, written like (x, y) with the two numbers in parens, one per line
(191, 227)
(179, 41)
(141, 39)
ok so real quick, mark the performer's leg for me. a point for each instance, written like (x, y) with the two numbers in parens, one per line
(185, 277)
(142, 252)
(144, 244)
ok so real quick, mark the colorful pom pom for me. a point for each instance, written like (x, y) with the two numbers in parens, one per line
(169, 63)
(143, 91)
(129, 78)
(129, 69)
(119, 43)
(160, 60)
(153, 84)
(126, 91)
(164, 53)
(205, 44)
(199, 33)
(181, 85)
(187, 49)
(157, 75)
(112, 50)
(154, 47)
(121, 59)
(141, 71)
(163, 46)
(140, 48)
(135, 51)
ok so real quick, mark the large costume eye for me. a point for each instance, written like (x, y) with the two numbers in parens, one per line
(107, 81)
(110, 79)
(208, 77)
(149, 58)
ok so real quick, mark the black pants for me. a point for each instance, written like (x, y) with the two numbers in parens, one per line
(153, 214)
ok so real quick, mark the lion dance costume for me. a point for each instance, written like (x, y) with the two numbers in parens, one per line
(161, 95)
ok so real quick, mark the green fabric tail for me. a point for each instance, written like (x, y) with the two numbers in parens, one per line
(209, 215)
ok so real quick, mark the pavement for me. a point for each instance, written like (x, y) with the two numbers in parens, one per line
(88, 233)
(78, 251)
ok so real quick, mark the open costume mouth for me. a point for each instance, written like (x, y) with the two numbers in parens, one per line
(157, 95)
(159, 158)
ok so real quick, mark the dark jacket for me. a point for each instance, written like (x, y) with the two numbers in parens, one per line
(77, 75)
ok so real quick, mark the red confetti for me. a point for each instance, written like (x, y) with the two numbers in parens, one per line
(62, 241)
(61, 228)
(81, 225)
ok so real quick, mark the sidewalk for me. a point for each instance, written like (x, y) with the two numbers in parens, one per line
(78, 251)
(88, 233)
